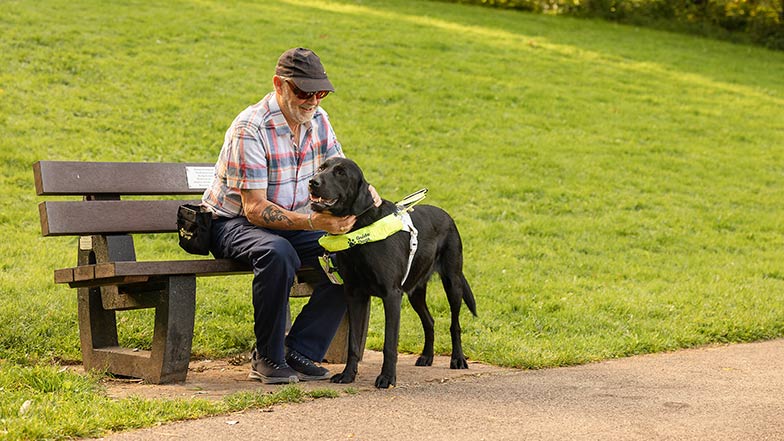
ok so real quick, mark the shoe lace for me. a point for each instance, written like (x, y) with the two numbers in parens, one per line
(300, 358)
(271, 363)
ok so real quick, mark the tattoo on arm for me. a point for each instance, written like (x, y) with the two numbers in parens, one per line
(273, 214)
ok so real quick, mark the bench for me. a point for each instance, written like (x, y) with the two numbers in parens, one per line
(107, 276)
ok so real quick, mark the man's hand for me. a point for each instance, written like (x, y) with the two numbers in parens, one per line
(374, 194)
(332, 224)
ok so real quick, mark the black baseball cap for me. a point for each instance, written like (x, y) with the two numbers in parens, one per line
(304, 68)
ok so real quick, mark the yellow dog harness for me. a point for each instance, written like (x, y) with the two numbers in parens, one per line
(400, 220)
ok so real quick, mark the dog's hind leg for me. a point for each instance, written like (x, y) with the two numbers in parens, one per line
(418, 302)
(454, 285)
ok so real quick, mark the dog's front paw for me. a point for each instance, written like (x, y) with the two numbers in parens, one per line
(424, 360)
(343, 378)
(458, 363)
(385, 381)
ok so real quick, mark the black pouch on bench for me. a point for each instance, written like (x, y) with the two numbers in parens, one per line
(194, 223)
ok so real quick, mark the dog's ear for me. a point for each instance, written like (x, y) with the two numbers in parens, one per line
(364, 199)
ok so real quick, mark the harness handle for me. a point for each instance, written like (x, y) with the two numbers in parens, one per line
(409, 201)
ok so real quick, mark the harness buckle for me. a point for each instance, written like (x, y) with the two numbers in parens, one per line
(330, 269)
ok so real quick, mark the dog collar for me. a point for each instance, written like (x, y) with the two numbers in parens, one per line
(378, 230)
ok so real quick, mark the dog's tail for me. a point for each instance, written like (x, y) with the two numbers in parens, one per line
(468, 295)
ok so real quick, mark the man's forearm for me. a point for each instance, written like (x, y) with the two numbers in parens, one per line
(272, 216)
(266, 214)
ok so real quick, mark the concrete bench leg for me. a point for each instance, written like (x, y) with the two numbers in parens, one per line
(338, 349)
(174, 300)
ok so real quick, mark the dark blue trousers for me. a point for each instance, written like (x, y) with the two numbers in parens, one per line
(275, 256)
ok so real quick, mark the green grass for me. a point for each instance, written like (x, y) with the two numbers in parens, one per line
(48, 403)
(617, 189)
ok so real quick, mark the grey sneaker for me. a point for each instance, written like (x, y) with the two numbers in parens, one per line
(269, 372)
(305, 368)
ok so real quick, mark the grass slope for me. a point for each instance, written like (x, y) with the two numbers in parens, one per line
(617, 189)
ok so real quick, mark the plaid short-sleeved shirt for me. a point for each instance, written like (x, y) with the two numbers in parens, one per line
(259, 152)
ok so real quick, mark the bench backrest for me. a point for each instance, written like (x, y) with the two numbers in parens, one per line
(103, 185)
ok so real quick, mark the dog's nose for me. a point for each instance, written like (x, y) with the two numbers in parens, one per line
(314, 183)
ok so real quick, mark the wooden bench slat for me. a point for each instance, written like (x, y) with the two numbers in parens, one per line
(61, 218)
(206, 267)
(127, 271)
(130, 178)
(64, 275)
(86, 272)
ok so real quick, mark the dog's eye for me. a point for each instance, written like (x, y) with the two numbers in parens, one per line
(340, 171)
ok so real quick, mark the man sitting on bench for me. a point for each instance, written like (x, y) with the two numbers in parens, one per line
(260, 201)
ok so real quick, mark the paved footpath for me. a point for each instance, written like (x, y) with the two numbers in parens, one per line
(733, 392)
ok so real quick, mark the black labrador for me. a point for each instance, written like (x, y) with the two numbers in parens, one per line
(378, 268)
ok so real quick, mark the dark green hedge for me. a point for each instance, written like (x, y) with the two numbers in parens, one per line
(755, 21)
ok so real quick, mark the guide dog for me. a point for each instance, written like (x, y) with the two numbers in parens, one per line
(379, 268)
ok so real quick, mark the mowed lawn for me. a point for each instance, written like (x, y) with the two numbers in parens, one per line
(618, 189)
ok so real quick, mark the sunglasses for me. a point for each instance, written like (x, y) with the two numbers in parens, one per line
(299, 93)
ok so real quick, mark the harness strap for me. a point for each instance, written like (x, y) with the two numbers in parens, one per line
(408, 225)
(379, 230)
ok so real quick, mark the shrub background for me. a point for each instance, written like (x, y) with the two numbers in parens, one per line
(755, 21)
